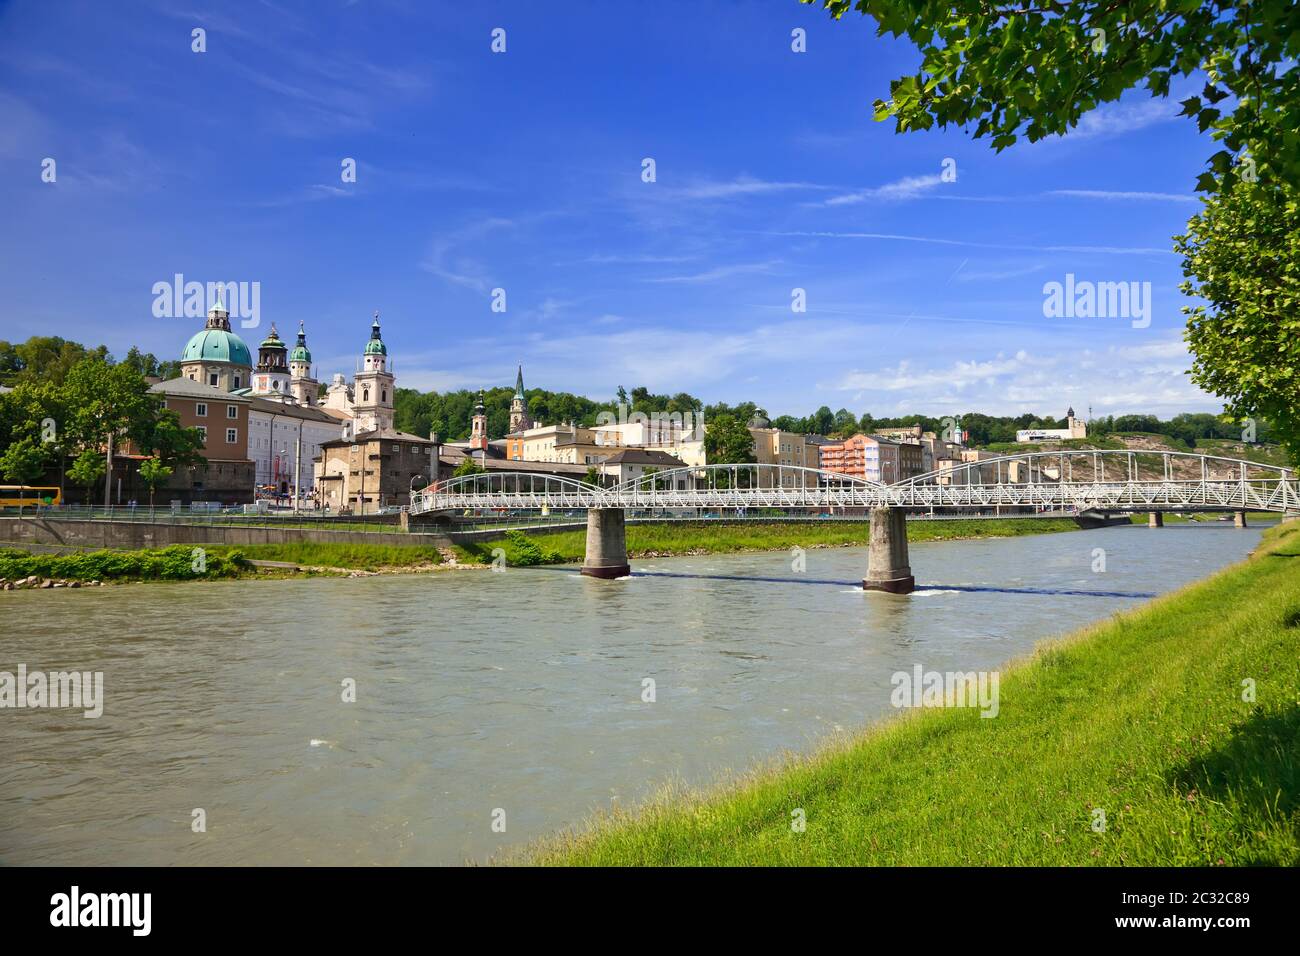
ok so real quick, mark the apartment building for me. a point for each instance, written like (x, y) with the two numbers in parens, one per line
(872, 458)
(772, 446)
(564, 443)
(222, 420)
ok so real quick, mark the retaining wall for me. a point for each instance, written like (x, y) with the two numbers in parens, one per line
(130, 535)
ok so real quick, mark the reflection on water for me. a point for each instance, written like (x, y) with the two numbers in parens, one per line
(477, 691)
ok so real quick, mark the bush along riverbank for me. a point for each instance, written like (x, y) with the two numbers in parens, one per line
(21, 570)
(176, 563)
(1167, 736)
(729, 537)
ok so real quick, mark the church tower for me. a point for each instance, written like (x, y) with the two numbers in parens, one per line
(372, 390)
(271, 377)
(305, 388)
(519, 419)
(478, 426)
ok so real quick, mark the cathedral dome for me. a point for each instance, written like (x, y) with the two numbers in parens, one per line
(217, 345)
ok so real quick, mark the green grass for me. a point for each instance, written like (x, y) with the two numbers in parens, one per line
(724, 537)
(364, 557)
(1141, 717)
(174, 563)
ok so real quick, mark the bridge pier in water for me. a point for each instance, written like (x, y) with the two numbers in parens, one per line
(606, 544)
(1156, 519)
(1239, 519)
(887, 560)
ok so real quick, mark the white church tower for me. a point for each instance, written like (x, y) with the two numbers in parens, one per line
(305, 388)
(372, 389)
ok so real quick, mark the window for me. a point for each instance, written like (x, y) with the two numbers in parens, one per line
(383, 395)
(232, 411)
(201, 409)
(365, 394)
(236, 381)
(212, 379)
(203, 433)
(232, 435)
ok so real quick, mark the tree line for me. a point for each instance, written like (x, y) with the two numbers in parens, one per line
(69, 402)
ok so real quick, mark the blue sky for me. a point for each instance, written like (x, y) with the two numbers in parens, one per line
(523, 171)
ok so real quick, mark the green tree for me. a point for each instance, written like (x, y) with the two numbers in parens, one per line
(1033, 69)
(163, 436)
(593, 476)
(154, 473)
(727, 441)
(24, 461)
(1242, 255)
(468, 466)
(107, 403)
(87, 471)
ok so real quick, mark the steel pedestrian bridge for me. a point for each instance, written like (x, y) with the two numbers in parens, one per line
(1101, 481)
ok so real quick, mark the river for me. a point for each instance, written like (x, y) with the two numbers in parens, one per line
(512, 696)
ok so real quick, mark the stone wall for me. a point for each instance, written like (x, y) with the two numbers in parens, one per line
(129, 535)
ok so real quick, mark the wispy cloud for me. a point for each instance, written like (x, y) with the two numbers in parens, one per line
(898, 237)
(908, 187)
(740, 186)
(1111, 194)
(720, 272)
(446, 262)
(1117, 118)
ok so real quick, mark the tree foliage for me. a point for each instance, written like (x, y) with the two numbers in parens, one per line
(728, 441)
(1242, 256)
(1033, 69)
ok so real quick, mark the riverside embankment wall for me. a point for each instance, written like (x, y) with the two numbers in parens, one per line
(140, 534)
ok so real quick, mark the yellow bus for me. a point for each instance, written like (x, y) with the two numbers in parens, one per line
(28, 496)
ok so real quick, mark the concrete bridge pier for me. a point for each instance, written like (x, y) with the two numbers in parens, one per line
(1156, 519)
(606, 544)
(887, 561)
(1239, 519)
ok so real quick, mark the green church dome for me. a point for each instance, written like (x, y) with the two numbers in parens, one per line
(300, 354)
(376, 345)
(217, 345)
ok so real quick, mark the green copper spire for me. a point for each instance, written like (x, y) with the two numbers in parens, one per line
(519, 383)
(376, 344)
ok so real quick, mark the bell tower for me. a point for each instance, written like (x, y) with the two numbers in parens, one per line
(372, 390)
(519, 419)
(271, 377)
(478, 426)
(305, 388)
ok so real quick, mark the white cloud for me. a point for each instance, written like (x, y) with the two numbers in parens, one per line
(740, 186)
(1118, 195)
(721, 272)
(907, 188)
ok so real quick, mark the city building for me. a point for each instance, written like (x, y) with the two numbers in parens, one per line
(569, 443)
(1074, 428)
(873, 458)
(631, 463)
(772, 446)
(376, 469)
(222, 421)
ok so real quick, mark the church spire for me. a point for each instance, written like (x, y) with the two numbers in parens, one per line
(519, 383)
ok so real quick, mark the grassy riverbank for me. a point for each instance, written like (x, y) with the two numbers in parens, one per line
(1141, 717)
(726, 537)
(181, 562)
(175, 563)
(328, 554)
